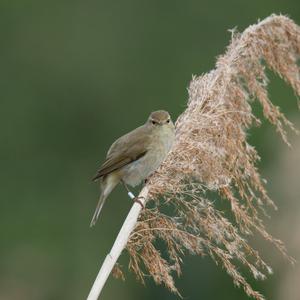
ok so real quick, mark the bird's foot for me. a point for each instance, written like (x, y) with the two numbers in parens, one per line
(146, 180)
(137, 200)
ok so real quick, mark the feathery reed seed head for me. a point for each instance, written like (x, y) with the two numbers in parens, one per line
(211, 153)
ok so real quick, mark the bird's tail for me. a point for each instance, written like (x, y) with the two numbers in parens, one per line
(98, 209)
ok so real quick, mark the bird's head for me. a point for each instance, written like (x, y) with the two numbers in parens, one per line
(160, 119)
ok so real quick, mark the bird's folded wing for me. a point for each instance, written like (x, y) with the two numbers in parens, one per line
(116, 163)
(125, 150)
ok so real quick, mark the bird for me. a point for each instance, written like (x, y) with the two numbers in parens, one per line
(135, 156)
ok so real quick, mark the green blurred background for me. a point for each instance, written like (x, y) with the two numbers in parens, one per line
(75, 75)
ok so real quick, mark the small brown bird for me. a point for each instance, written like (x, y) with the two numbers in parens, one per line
(135, 156)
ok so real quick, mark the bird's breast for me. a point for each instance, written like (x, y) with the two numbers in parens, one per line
(157, 151)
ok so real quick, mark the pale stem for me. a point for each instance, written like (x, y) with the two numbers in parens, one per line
(119, 245)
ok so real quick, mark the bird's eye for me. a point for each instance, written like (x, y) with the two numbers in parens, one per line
(168, 121)
(154, 123)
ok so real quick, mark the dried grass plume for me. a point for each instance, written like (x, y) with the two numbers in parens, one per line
(211, 157)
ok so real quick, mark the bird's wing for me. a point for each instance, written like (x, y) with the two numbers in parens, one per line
(125, 150)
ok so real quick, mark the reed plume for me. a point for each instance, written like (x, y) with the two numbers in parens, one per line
(212, 161)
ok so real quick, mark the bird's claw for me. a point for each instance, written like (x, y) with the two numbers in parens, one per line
(137, 200)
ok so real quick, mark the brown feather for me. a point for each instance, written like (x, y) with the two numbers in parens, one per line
(113, 165)
(128, 148)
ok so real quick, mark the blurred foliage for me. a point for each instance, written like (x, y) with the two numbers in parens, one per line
(75, 75)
